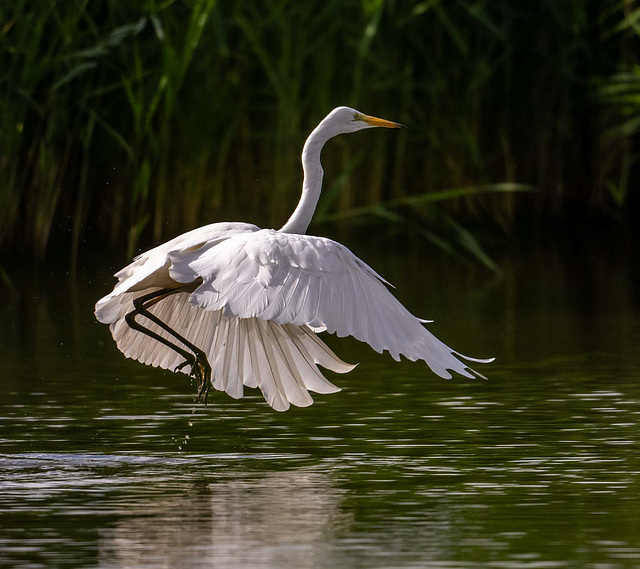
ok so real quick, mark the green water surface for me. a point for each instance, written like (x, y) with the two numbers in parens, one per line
(105, 462)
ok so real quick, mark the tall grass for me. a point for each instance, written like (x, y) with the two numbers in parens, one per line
(133, 121)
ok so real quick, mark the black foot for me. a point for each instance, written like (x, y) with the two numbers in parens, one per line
(185, 363)
(203, 376)
(200, 371)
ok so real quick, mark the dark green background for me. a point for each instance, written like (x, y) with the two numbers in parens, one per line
(129, 122)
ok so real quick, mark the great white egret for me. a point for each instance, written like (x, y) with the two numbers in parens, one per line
(246, 304)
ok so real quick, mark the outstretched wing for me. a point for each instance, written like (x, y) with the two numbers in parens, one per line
(306, 280)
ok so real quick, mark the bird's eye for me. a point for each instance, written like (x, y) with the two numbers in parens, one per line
(356, 116)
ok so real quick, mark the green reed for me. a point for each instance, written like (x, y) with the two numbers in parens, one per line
(130, 122)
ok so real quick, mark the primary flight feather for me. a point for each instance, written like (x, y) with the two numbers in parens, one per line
(234, 305)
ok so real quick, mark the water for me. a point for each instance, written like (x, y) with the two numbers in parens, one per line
(108, 463)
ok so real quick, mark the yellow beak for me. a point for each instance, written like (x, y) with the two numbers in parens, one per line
(373, 121)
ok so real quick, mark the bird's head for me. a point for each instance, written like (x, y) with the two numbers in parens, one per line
(345, 119)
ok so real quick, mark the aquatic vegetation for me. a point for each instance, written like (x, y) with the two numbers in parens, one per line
(109, 109)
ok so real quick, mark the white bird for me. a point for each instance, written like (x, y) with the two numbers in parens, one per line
(246, 304)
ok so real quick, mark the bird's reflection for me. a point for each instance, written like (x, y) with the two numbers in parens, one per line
(273, 519)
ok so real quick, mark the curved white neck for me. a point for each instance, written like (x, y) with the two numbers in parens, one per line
(312, 183)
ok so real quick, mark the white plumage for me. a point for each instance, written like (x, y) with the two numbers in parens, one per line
(253, 300)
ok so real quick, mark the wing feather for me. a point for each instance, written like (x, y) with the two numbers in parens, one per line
(248, 378)
(234, 382)
(217, 352)
(321, 353)
(313, 281)
(266, 379)
(286, 382)
(304, 360)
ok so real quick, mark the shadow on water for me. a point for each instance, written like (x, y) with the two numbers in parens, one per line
(105, 462)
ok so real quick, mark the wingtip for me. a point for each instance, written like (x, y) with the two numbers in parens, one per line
(347, 367)
(475, 360)
(477, 374)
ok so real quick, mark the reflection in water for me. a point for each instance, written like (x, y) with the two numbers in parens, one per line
(278, 519)
(108, 463)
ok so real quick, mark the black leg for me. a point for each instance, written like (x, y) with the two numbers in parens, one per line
(200, 367)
